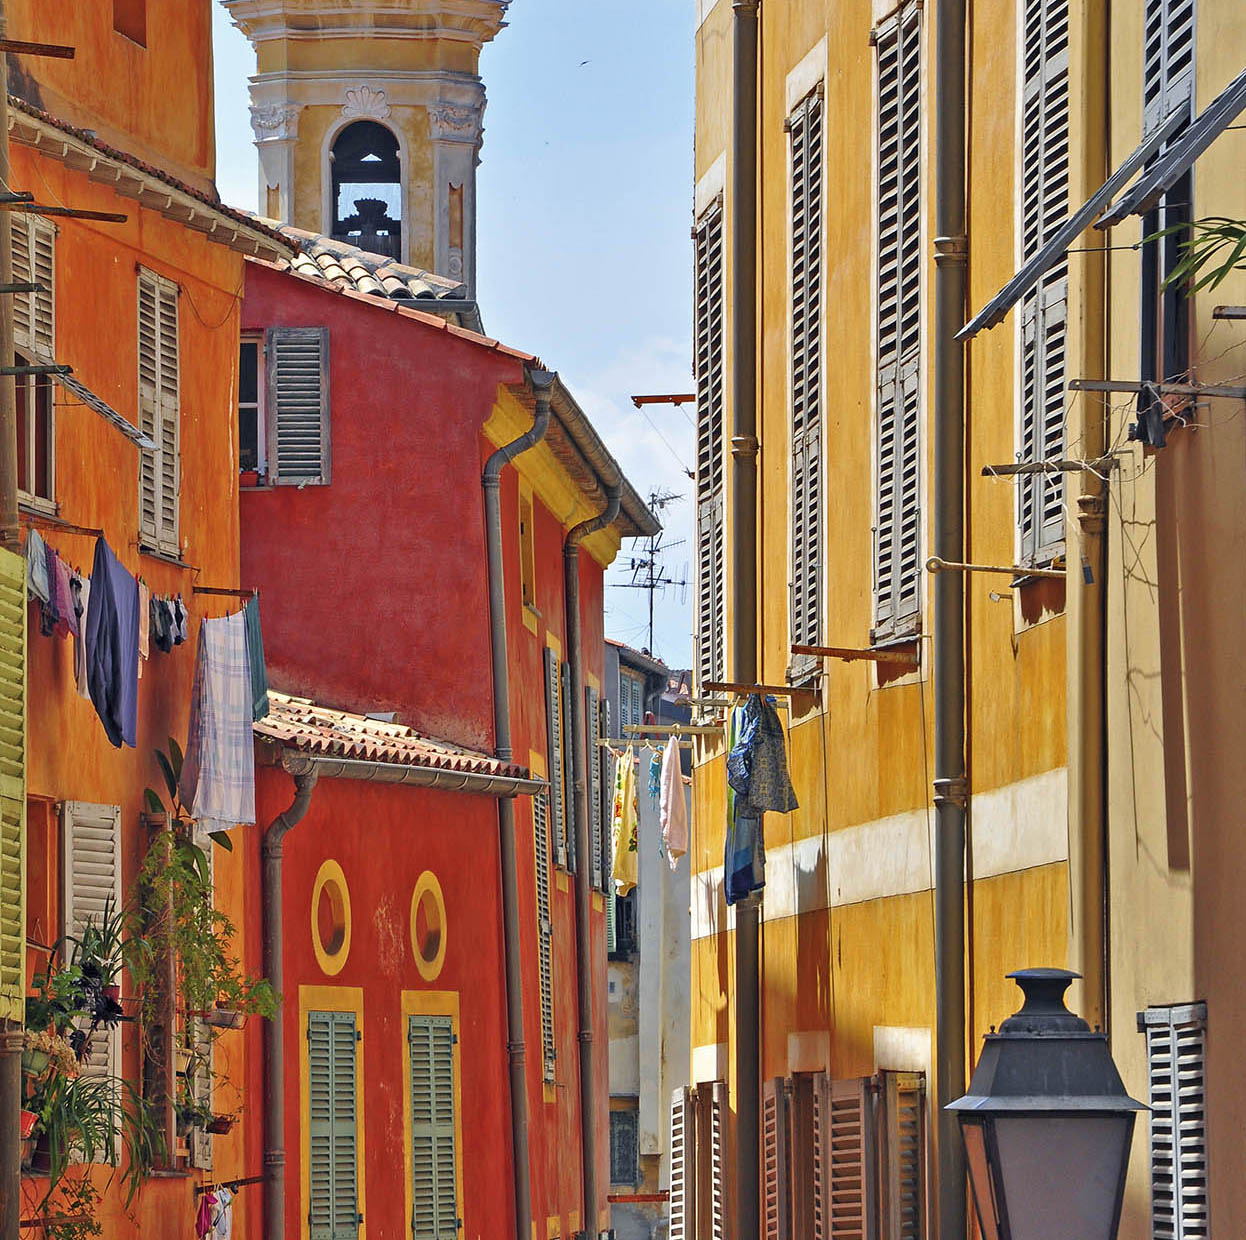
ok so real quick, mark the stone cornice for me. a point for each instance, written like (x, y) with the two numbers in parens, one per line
(469, 21)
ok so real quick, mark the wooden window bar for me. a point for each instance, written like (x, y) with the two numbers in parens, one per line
(849, 654)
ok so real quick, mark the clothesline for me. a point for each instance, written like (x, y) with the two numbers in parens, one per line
(232, 1185)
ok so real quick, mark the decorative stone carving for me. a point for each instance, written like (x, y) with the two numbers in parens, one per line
(455, 122)
(366, 101)
(273, 122)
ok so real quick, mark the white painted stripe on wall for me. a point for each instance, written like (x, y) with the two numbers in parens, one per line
(1016, 827)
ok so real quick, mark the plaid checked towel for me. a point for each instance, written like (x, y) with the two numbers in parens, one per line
(218, 775)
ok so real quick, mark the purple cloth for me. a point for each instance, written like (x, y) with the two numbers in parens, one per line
(49, 613)
(67, 622)
(112, 646)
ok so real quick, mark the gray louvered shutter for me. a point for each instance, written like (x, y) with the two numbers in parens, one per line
(606, 777)
(333, 1193)
(1167, 60)
(1044, 207)
(545, 930)
(12, 786)
(903, 1138)
(434, 1195)
(90, 883)
(1176, 1047)
(897, 524)
(200, 1085)
(297, 366)
(710, 379)
(682, 1204)
(571, 804)
(159, 416)
(34, 261)
(849, 1185)
(805, 128)
(553, 755)
(592, 727)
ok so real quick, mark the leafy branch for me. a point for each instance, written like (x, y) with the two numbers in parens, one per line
(1214, 248)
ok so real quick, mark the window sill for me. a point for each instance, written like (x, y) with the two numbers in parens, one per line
(156, 553)
(37, 505)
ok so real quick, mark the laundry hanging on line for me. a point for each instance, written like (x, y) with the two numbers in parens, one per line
(674, 814)
(623, 822)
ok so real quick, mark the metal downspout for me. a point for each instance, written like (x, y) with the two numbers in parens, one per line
(951, 788)
(542, 383)
(271, 850)
(743, 219)
(583, 900)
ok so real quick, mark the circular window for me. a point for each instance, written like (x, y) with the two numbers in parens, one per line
(428, 926)
(330, 918)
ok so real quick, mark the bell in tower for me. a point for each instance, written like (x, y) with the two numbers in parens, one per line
(367, 116)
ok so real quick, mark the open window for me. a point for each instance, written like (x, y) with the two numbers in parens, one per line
(367, 189)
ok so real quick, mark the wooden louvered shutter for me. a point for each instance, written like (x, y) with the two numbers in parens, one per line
(159, 418)
(333, 1191)
(718, 1157)
(200, 1085)
(34, 261)
(605, 760)
(553, 755)
(545, 954)
(902, 1136)
(682, 1205)
(710, 380)
(849, 1184)
(1167, 60)
(297, 365)
(571, 808)
(805, 127)
(1176, 1046)
(775, 1193)
(90, 883)
(897, 524)
(803, 1157)
(435, 1214)
(592, 758)
(12, 786)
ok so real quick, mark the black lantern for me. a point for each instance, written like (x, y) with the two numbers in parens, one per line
(1047, 1122)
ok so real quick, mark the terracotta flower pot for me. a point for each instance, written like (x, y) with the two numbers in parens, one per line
(111, 992)
(219, 1124)
(224, 1018)
(28, 1121)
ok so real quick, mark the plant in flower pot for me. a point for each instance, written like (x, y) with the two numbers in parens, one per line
(219, 1125)
(191, 1112)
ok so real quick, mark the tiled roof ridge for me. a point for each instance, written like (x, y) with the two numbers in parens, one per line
(86, 136)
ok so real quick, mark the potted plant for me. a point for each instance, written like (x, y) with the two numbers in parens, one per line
(220, 1124)
(248, 477)
(222, 1017)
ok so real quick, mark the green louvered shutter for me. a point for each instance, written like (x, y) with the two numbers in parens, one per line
(434, 1200)
(333, 1191)
(12, 786)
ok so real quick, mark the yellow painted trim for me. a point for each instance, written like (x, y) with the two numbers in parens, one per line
(562, 882)
(536, 763)
(431, 1003)
(591, 681)
(573, 1222)
(329, 999)
(330, 876)
(427, 884)
(553, 1226)
(549, 1092)
(530, 619)
(598, 903)
(555, 644)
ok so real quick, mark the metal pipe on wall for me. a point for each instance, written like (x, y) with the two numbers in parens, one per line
(491, 481)
(951, 786)
(583, 892)
(271, 850)
(743, 532)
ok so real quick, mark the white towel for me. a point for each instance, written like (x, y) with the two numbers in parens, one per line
(674, 807)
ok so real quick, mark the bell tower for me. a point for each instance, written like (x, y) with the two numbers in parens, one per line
(367, 115)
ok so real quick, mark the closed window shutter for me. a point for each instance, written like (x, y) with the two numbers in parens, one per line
(298, 405)
(850, 1202)
(592, 727)
(434, 1190)
(805, 127)
(12, 786)
(545, 955)
(897, 525)
(34, 261)
(903, 1160)
(718, 1152)
(776, 1204)
(553, 754)
(90, 882)
(1044, 208)
(803, 1159)
(200, 1086)
(1176, 1047)
(606, 777)
(571, 808)
(710, 378)
(1167, 60)
(158, 383)
(333, 1195)
(682, 1204)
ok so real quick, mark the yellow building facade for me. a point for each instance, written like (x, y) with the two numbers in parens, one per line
(1103, 661)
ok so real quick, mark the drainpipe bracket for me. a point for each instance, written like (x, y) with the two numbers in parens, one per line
(274, 1158)
(951, 251)
(1092, 513)
(296, 764)
(952, 791)
(744, 445)
(744, 6)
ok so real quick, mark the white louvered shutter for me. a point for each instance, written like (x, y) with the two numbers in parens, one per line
(897, 525)
(553, 755)
(545, 930)
(200, 1084)
(807, 171)
(1176, 1047)
(849, 1184)
(718, 1161)
(434, 1195)
(159, 418)
(297, 366)
(34, 261)
(333, 1189)
(570, 802)
(90, 881)
(592, 728)
(12, 786)
(1167, 60)
(682, 1205)
(775, 1203)
(903, 1134)
(1043, 317)
(710, 380)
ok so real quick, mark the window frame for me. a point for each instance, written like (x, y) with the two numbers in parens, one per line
(33, 242)
(29, 391)
(629, 1130)
(256, 340)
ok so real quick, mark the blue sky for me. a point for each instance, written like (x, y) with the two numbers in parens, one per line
(584, 255)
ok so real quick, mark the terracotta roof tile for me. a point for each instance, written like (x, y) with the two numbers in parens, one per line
(323, 731)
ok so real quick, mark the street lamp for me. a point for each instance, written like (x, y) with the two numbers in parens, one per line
(1047, 1122)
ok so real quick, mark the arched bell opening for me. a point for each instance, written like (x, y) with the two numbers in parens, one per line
(367, 189)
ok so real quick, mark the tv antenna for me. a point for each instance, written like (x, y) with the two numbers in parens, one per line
(648, 573)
